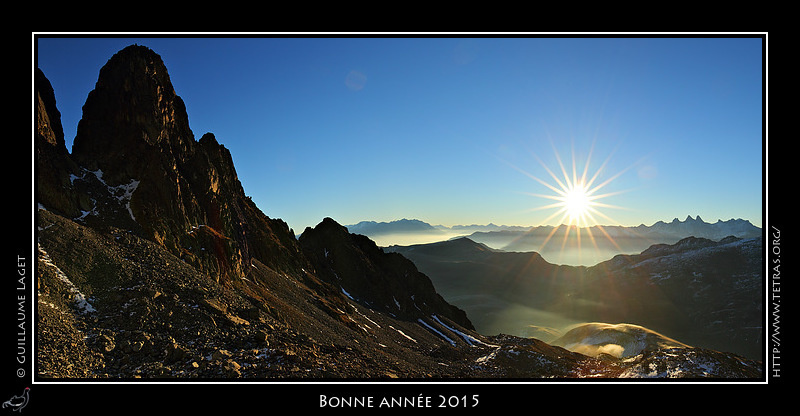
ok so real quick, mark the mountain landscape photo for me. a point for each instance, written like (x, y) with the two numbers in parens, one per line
(153, 262)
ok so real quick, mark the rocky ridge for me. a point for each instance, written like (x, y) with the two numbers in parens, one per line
(159, 266)
(386, 282)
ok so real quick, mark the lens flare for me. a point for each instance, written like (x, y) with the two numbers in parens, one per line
(577, 196)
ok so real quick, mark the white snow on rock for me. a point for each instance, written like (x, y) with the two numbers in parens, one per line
(402, 333)
(84, 214)
(443, 336)
(81, 303)
(469, 339)
(346, 293)
(123, 193)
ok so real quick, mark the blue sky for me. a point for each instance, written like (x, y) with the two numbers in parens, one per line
(450, 130)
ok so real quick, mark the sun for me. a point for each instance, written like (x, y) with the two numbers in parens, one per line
(578, 196)
(577, 203)
(576, 192)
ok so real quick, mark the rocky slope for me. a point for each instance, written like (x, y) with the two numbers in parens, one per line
(114, 304)
(159, 266)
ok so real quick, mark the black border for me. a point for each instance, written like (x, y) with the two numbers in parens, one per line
(232, 396)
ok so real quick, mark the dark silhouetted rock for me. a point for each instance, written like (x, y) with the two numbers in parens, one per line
(384, 281)
(181, 193)
(54, 167)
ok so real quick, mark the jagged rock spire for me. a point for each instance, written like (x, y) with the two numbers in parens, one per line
(133, 109)
(188, 197)
(53, 164)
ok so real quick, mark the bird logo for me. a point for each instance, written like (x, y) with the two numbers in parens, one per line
(18, 402)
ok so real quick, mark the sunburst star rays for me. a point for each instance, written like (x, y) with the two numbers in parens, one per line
(578, 199)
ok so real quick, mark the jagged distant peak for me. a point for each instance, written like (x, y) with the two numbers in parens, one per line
(677, 220)
(696, 219)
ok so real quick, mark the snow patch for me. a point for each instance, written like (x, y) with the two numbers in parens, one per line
(469, 339)
(486, 358)
(669, 364)
(80, 300)
(84, 214)
(453, 343)
(403, 333)
(347, 294)
(123, 193)
(368, 319)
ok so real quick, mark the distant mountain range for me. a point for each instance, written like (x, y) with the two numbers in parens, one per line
(561, 244)
(406, 226)
(372, 228)
(676, 229)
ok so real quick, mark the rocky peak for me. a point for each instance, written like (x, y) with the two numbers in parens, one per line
(141, 169)
(53, 163)
(383, 281)
(133, 109)
(48, 124)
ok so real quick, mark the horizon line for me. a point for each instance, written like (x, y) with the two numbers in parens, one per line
(689, 217)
